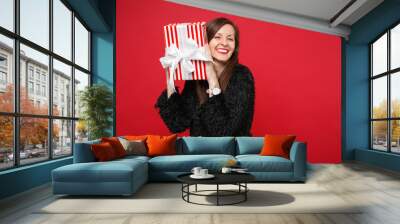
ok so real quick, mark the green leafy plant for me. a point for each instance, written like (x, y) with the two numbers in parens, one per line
(96, 104)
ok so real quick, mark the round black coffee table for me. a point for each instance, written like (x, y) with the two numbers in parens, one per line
(238, 179)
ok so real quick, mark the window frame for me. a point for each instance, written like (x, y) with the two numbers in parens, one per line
(16, 114)
(388, 74)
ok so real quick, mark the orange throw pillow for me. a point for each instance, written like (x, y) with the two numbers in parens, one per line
(161, 145)
(135, 137)
(116, 145)
(277, 145)
(103, 152)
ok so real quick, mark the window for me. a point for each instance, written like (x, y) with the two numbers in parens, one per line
(3, 61)
(30, 87)
(3, 72)
(81, 81)
(34, 21)
(7, 14)
(385, 94)
(44, 91)
(38, 73)
(54, 126)
(81, 45)
(62, 74)
(3, 78)
(38, 89)
(30, 72)
(62, 29)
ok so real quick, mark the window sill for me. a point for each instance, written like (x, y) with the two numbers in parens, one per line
(385, 160)
(26, 167)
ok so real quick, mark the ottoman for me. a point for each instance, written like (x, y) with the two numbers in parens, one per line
(119, 177)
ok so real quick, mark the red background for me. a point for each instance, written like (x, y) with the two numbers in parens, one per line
(297, 75)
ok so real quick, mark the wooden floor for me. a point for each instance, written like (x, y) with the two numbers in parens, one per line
(354, 182)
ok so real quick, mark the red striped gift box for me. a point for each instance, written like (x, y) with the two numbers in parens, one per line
(195, 31)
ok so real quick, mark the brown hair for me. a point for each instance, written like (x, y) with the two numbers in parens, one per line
(212, 28)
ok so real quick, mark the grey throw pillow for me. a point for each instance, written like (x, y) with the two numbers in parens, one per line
(134, 147)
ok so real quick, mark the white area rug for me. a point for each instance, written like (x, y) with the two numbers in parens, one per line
(166, 198)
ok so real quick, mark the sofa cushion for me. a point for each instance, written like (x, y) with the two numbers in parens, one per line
(277, 145)
(103, 151)
(207, 145)
(161, 145)
(185, 163)
(257, 163)
(249, 145)
(116, 145)
(111, 171)
(134, 147)
(135, 137)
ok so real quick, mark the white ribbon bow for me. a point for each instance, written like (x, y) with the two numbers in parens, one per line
(189, 51)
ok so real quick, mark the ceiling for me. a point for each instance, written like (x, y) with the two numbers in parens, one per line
(318, 9)
(327, 16)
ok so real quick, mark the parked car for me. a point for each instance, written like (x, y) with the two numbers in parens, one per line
(22, 155)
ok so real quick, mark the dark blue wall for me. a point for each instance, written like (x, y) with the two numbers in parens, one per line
(357, 83)
(99, 15)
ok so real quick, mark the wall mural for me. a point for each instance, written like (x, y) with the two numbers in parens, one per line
(264, 78)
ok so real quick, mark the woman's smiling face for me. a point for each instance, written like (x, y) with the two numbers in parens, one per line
(222, 45)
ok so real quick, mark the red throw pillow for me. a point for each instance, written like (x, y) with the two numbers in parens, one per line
(103, 152)
(161, 145)
(277, 145)
(116, 145)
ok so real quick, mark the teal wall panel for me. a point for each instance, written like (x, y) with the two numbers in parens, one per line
(357, 104)
(24, 178)
(103, 61)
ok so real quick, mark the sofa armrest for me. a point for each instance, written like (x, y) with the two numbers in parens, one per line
(83, 152)
(298, 155)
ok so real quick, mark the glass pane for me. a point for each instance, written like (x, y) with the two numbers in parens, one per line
(62, 138)
(6, 142)
(395, 94)
(6, 74)
(7, 14)
(62, 89)
(35, 21)
(379, 97)
(81, 81)
(395, 47)
(62, 29)
(34, 92)
(379, 135)
(395, 136)
(81, 131)
(81, 45)
(379, 55)
(33, 139)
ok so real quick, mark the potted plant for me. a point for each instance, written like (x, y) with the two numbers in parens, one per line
(96, 103)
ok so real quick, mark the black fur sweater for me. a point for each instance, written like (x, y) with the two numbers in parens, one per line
(227, 114)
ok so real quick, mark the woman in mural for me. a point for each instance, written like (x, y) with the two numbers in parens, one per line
(224, 104)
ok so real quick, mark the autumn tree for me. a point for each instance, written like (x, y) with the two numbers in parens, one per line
(33, 131)
(380, 127)
(6, 122)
